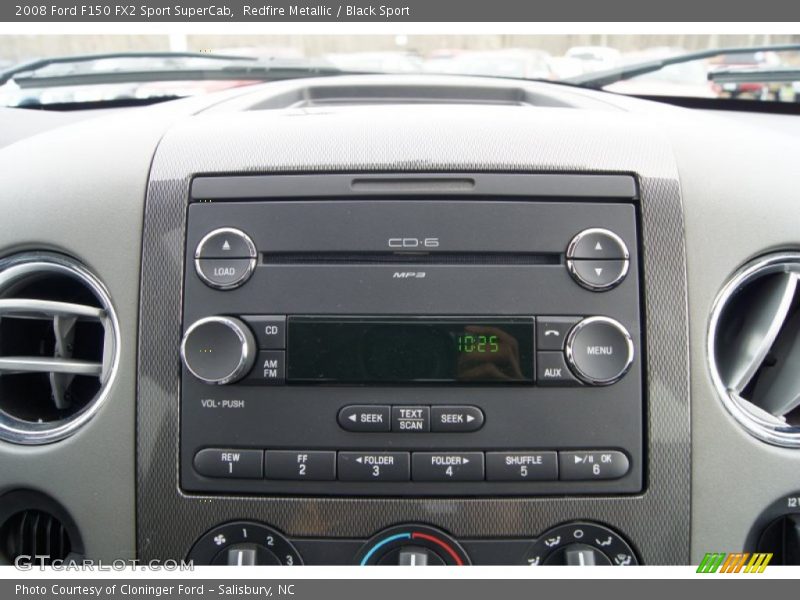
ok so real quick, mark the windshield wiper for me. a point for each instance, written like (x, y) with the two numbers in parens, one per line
(39, 64)
(601, 79)
(755, 75)
(230, 68)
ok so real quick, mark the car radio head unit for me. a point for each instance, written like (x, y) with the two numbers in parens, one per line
(390, 346)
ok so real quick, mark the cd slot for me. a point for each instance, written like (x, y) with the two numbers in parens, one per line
(406, 258)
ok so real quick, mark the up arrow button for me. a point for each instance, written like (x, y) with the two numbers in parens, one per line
(597, 244)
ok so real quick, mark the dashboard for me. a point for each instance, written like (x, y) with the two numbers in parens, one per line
(400, 320)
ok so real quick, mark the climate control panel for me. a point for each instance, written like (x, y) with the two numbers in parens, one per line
(245, 543)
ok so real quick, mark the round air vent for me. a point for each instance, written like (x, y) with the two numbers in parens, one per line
(36, 530)
(58, 347)
(754, 348)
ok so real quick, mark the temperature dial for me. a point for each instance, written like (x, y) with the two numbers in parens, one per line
(413, 546)
(218, 350)
(243, 543)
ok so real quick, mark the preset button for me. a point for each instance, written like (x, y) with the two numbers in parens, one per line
(595, 464)
(447, 466)
(298, 465)
(228, 463)
(374, 466)
(521, 466)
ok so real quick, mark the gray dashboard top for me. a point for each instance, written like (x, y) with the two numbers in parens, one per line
(80, 189)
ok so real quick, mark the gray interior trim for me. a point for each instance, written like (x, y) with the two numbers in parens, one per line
(440, 140)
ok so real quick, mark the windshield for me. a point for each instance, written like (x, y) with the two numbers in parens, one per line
(74, 70)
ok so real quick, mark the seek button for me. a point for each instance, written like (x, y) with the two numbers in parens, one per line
(365, 418)
(456, 419)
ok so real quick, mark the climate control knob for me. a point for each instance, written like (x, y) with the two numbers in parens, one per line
(244, 543)
(580, 544)
(599, 350)
(412, 546)
(218, 350)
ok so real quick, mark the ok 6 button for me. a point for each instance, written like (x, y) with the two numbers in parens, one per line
(595, 464)
(365, 418)
(456, 419)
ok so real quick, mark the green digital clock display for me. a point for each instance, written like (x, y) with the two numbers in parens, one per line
(412, 350)
(472, 343)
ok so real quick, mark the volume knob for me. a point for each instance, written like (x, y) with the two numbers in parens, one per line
(218, 350)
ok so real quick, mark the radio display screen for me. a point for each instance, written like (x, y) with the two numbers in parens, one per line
(420, 350)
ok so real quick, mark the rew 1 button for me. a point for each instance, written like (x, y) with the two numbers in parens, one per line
(437, 466)
(231, 464)
(365, 418)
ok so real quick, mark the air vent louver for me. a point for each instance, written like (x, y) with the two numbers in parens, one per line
(35, 529)
(58, 347)
(754, 348)
(35, 533)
